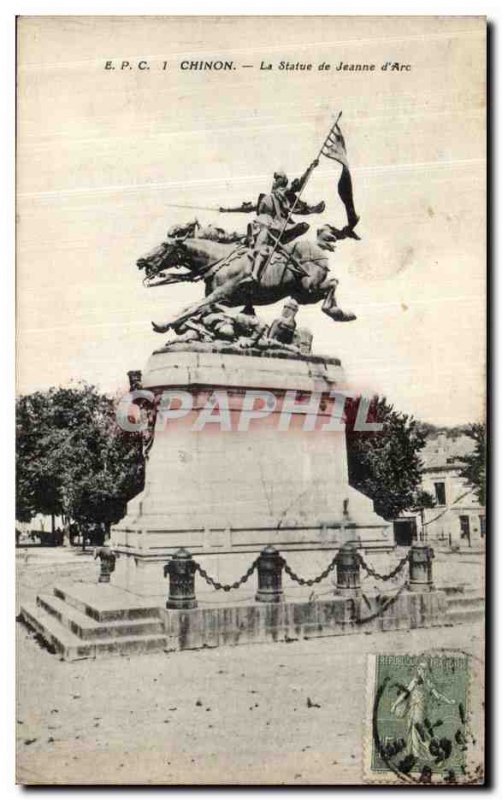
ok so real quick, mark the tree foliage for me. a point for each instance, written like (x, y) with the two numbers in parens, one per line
(474, 464)
(72, 458)
(422, 499)
(385, 465)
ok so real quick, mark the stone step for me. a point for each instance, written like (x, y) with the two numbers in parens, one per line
(104, 602)
(459, 616)
(59, 638)
(465, 601)
(70, 647)
(456, 590)
(86, 627)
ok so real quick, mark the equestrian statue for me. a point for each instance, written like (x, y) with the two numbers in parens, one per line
(267, 263)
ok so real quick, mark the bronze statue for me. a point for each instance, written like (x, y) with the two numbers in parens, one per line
(283, 328)
(267, 264)
(245, 331)
(211, 232)
(273, 225)
(300, 270)
(215, 323)
(285, 332)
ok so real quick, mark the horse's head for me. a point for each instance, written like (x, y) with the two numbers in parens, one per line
(170, 254)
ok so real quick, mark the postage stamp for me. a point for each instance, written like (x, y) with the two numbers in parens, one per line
(420, 720)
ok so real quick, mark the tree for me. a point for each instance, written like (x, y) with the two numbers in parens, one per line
(421, 501)
(474, 469)
(72, 457)
(37, 486)
(385, 465)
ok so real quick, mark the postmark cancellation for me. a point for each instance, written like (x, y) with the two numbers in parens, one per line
(423, 719)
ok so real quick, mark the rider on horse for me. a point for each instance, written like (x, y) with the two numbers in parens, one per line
(273, 225)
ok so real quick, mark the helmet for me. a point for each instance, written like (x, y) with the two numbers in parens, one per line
(280, 178)
(292, 304)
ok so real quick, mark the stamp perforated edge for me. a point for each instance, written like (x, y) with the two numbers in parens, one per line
(474, 757)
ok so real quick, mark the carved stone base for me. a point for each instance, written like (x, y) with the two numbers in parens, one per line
(222, 493)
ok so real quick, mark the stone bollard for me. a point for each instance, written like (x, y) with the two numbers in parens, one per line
(107, 563)
(181, 570)
(269, 576)
(348, 581)
(421, 556)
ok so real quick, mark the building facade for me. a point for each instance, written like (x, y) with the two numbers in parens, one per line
(457, 518)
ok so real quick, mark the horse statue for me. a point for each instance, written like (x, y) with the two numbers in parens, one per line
(298, 270)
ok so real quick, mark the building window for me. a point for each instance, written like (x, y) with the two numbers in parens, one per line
(440, 492)
(465, 528)
(482, 525)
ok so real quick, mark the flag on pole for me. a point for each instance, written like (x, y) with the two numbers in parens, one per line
(334, 148)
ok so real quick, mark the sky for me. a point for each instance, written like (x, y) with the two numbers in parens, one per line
(105, 156)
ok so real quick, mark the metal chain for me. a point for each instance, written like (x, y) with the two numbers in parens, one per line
(311, 581)
(375, 574)
(385, 605)
(226, 587)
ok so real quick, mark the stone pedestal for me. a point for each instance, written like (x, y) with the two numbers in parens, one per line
(421, 556)
(225, 492)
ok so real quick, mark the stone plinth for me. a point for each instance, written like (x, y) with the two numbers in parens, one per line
(90, 620)
(230, 485)
(287, 622)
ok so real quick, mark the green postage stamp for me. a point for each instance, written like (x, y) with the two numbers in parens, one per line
(420, 725)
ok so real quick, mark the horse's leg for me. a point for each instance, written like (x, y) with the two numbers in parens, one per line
(330, 306)
(318, 285)
(218, 295)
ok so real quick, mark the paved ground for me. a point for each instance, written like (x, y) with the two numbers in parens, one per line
(228, 715)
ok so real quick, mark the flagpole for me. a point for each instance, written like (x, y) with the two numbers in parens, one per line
(279, 237)
(210, 208)
(308, 178)
(329, 134)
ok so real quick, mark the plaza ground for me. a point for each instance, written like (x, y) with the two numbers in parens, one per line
(282, 713)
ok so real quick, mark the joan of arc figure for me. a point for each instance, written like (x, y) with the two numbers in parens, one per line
(273, 224)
